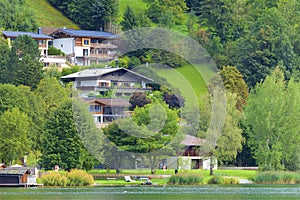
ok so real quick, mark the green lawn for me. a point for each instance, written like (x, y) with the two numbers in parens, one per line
(136, 5)
(46, 15)
(188, 80)
(239, 174)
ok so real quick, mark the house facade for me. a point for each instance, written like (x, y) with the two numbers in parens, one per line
(85, 47)
(106, 110)
(119, 81)
(192, 157)
(41, 39)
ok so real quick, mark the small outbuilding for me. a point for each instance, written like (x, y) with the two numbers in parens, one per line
(18, 176)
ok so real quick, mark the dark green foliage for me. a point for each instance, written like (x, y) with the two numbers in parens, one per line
(62, 144)
(54, 51)
(24, 67)
(130, 21)
(4, 57)
(266, 46)
(167, 12)
(14, 15)
(90, 14)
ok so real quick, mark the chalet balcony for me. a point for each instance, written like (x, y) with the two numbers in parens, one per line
(102, 46)
(101, 56)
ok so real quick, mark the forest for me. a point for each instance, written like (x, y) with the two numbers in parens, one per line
(254, 43)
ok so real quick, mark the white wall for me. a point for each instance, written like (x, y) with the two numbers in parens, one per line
(85, 83)
(66, 45)
(79, 51)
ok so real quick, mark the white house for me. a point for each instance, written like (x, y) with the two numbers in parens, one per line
(86, 47)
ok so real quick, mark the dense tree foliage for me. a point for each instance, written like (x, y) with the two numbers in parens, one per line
(167, 12)
(15, 143)
(23, 66)
(14, 15)
(90, 14)
(62, 145)
(271, 114)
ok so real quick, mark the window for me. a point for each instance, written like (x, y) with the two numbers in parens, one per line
(85, 52)
(86, 42)
(95, 108)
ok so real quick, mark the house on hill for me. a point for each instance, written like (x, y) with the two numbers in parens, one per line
(121, 81)
(106, 110)
(41, 39)
(85, 47)
(192, 157)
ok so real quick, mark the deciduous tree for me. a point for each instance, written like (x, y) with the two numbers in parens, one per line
(15, 137)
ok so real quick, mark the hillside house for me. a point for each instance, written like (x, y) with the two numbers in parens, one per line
(85, 47)
(106, 110)
(120, 81)
(41, 39)
(192, 157)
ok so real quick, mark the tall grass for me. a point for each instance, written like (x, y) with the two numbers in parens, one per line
(271, 177)
(185, 180)
(73, 178)
(54, 179)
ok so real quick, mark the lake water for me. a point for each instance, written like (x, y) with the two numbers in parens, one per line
(157, 193)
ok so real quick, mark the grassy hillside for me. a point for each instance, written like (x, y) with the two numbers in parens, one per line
(188, 80)
(136, 5)
(46, 15)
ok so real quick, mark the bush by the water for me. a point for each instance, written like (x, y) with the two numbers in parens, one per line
(216, 180)
(185, 180)
(277, 177)
(222, 180)
(54, 179)
(73, 178)
(79, 178)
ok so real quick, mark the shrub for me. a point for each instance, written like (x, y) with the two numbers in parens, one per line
(277, 177)
(267, 177)
(231, 181)
(73, 178)
(185, 180)
(287, 177)
(216, 180)
(297, 178)
(54, 179)
(79, 178)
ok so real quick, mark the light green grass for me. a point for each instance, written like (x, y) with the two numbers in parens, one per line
(188, 80)
(136, 5)
(46, 15)
(238, 174)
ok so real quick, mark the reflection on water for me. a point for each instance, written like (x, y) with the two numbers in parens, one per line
(139, 192)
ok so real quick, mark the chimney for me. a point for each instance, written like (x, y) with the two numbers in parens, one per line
(39, 30)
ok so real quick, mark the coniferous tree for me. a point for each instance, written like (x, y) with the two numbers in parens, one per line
(130, 20)
(24, 66)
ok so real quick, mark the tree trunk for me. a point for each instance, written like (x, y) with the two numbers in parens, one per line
(211, 167)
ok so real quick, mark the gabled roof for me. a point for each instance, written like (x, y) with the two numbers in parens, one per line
(97, 72)
(190, 140)
(112, 102)
(14, 34)
(86, 33)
